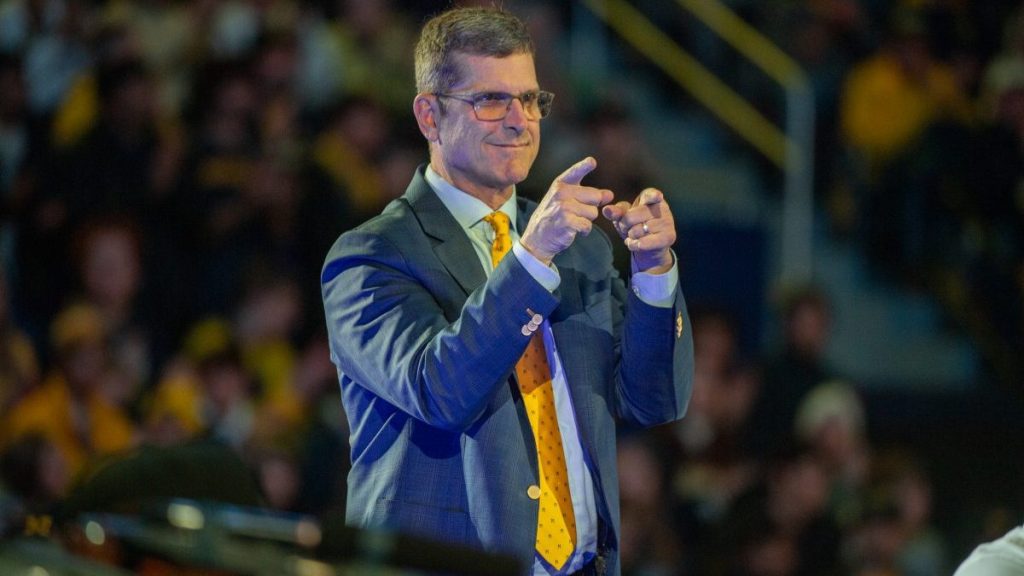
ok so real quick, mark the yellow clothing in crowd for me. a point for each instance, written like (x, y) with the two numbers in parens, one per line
(50, 410)
(18, 365)
(884, 111)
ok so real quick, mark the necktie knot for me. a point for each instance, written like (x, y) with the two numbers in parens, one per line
(499, 221)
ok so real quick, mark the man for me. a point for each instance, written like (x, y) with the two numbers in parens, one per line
(1001, 557)
(483, 388)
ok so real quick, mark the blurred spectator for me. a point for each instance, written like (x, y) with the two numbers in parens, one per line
(213, 215)
(991, 282)
(345, 158)
(68, 407)
(265, 326)
(50, 34)
(36, 471)
(830, 420)
(780, 526)
(891, 98)
(401, 155)
(923, 549)
(172, 413)
(362, 49)
(109, 264)
(276, 464)
(714, 350)
(325, 458)
(229, 408)
(115, 167)
(794, 370)
(19, 368)
(710, 466)
(902, 116)
(165, 36)
(826, 38)
(234, 28)
(649, 544)
(276, 69)
(895, 535)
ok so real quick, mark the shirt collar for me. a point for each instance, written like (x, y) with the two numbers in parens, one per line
(468, 210)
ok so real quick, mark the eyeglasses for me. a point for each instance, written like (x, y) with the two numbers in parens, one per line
(494, 106)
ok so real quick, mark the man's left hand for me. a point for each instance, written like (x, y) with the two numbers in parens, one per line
(648, 229)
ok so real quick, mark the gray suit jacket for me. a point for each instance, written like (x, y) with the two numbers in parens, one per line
(426, 344)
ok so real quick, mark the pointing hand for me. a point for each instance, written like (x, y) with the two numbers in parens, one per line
(569, 208)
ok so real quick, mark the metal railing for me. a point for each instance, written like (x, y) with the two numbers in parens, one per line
(791, 148)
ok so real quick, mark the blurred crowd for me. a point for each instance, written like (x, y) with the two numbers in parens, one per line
(172, 173)
(772, 471)
(920, 148)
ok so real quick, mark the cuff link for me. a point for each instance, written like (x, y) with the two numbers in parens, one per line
(533, 323)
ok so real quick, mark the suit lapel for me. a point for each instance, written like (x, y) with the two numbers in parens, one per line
(453, 247)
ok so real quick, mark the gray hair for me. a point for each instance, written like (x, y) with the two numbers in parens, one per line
(474, 31)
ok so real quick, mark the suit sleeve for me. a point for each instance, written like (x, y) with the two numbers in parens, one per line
(654, 379)
(389, 334)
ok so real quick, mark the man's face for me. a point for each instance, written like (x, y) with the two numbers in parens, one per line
(487, 157)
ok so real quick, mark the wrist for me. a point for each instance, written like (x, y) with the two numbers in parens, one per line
(541, 255)
(658, 263)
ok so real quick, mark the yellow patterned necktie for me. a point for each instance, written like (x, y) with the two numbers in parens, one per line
(556, 523)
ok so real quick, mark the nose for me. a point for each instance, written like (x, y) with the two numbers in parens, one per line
(516, 118)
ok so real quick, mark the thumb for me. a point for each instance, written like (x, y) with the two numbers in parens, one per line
(615, 212)
(650, 196)
(576, 172)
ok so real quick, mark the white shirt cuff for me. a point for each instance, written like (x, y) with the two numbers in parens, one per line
(547, 276)
(658, 290)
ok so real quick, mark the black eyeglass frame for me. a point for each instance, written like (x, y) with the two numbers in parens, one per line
(477, 99)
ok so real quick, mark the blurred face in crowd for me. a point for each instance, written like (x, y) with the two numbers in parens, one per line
(799, 491)
(111, 270)
(279, 478)
(85, 363)
(714, 343)
(482, 158)
(809, 329)
(226, 384)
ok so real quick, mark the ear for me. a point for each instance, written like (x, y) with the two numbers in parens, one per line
(424, 107)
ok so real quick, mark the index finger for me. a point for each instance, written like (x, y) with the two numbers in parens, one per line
(576, 172)
(593, 196)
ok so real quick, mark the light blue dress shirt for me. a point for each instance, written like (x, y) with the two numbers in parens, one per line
(654, 289)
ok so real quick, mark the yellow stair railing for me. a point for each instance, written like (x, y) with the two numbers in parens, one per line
(791, 148)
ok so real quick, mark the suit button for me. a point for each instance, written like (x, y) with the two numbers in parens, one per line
(533, 492)
(526, 331)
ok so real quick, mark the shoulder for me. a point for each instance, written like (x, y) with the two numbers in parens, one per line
(376, 238)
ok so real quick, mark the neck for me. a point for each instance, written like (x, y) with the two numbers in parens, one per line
(493, 197)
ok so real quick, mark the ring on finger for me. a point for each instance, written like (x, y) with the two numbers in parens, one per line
(646, 229)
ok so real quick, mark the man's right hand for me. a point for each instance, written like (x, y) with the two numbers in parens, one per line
(568, 209)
